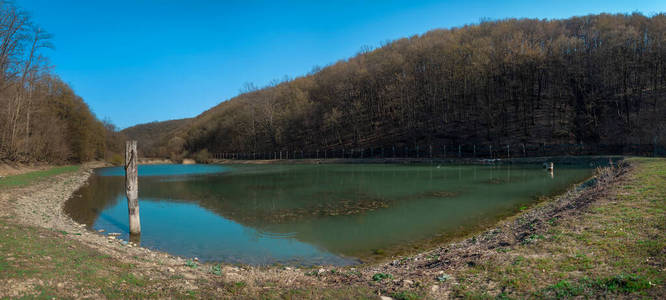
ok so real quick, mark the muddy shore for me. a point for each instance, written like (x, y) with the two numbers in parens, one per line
(41, 204)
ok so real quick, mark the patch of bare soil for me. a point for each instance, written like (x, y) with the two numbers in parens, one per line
(14, 168)
(154, 161)
(41, 204)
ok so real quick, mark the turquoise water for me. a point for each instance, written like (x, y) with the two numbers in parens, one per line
(311, 214)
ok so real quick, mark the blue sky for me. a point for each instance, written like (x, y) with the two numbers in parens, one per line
(174, 59)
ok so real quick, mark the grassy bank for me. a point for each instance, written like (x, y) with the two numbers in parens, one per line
(39, 263)
(612, 248)
(31, 177)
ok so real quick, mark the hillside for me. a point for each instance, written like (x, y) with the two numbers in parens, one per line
(593, 80)
(41, 118)
(151, 134)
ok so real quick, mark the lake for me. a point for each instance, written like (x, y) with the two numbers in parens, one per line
(312, 214)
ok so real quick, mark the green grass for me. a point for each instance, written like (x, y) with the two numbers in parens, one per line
(406, 295)
(586, 287)
(49, 257)
(615, 247)
(31, 177)
(381, 276)
(46, 256)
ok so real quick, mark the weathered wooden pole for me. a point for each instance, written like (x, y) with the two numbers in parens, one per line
(132, 187)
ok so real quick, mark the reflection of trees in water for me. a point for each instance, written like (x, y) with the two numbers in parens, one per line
(286, 196)
(91, 199)
(354, 210)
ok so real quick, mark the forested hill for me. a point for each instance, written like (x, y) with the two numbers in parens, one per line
(41, 117)
(597, 79)
(151, 134)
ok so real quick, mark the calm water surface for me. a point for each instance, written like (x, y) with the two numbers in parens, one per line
(311, 214)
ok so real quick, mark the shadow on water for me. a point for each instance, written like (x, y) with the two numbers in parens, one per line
(312, 214)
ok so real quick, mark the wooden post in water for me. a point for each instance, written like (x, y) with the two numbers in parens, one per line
(132, 187)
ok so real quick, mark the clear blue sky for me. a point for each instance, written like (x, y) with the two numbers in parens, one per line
(174, 59)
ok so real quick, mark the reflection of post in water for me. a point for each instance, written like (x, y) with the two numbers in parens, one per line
(135, 238)
(549, 168)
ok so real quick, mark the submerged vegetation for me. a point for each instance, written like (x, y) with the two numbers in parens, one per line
(592, 80)
(612, 247)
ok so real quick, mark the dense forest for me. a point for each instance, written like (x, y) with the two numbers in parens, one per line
(41, 118)
(151, 134)
(596, 79)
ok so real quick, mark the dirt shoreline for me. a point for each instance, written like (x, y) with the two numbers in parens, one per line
(41, 204)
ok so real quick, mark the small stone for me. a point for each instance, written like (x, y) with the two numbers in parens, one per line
(385, 298)
(407, 283)
(320, 271)
(101, 230)
(60, 285)
(189, 276)
(171, 270)
(434, 288)
(11, 258)
(287, 268)
(196, 259)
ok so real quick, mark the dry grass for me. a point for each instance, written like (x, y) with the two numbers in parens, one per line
(606, 240)
(613, 246)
